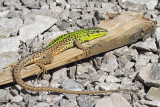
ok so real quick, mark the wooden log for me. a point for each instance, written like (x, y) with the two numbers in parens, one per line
(123, 30)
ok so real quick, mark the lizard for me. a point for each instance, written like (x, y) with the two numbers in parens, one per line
(58, 45)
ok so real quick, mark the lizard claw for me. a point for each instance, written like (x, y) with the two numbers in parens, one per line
(87, 51)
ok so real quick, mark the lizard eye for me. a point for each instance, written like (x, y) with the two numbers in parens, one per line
(97, 31)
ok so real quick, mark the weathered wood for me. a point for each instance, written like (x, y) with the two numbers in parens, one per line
(124, 29)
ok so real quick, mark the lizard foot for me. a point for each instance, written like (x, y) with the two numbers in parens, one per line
(43, 70)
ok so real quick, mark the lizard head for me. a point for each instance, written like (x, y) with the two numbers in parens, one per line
(95, 32)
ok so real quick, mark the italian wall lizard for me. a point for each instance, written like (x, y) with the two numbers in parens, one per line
(45, 56)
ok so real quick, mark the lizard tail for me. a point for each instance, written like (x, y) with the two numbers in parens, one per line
(18, 79)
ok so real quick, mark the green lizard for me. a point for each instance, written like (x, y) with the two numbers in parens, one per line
(45, 56)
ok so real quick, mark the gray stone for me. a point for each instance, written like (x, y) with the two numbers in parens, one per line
(10, 96)
(7, 58)
(54, 28)
(118, 73)
(56, 99)
(67, 103)
(17, 99)
(72, 72)
(91, 4)
(24, 50)
(129, 65)
(31, 4)
(8, 105)
(123, 61)
(95, 21)
(81, 69)
(88, 67)
(152, 14)
(31, 102)
(56, 9)
(35, 44)
(63, 2)
(157, 32)
(4, 13)
(14, 14)
(15, 105)
(8, 55)
(90, 24)
(42, 104)
(143, 74)
(63, 25)
(83, 76)
(131, 54)
(106, 1)
(10, 27)
(18, 87)
(153, 94)
(41, 24)
(126, 81)
(98, 61)
(85, 101)
(133, 75)
(114, 100)
(47, 76)
(154, 57)
(88, 16)
(48, 98)
(6, 44)
(74, 15)
(74, 28)
(120, 51)
(151, 4)
(44, 83)
(112, 79)
(142, 61)
(100, 14)
(65, 14)
(14, 92)
(108, 86)
(150, 75)
(42, 96)
(11, 3)
(81, 5)
(136, 5)
(71, 85)
(82, 23)
(109, 62)
(58, 76)
(44, 6)
(27, 97)
(76, 10)
(111, 8)
(148, 45)
(49, 1)
(3, 95)
(102, 78)
(155, 103)
(94, 76)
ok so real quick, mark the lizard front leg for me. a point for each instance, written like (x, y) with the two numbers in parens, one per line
(78, 44)
(46, 59)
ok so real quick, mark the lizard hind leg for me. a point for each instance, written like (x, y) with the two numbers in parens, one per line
(46, 59)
